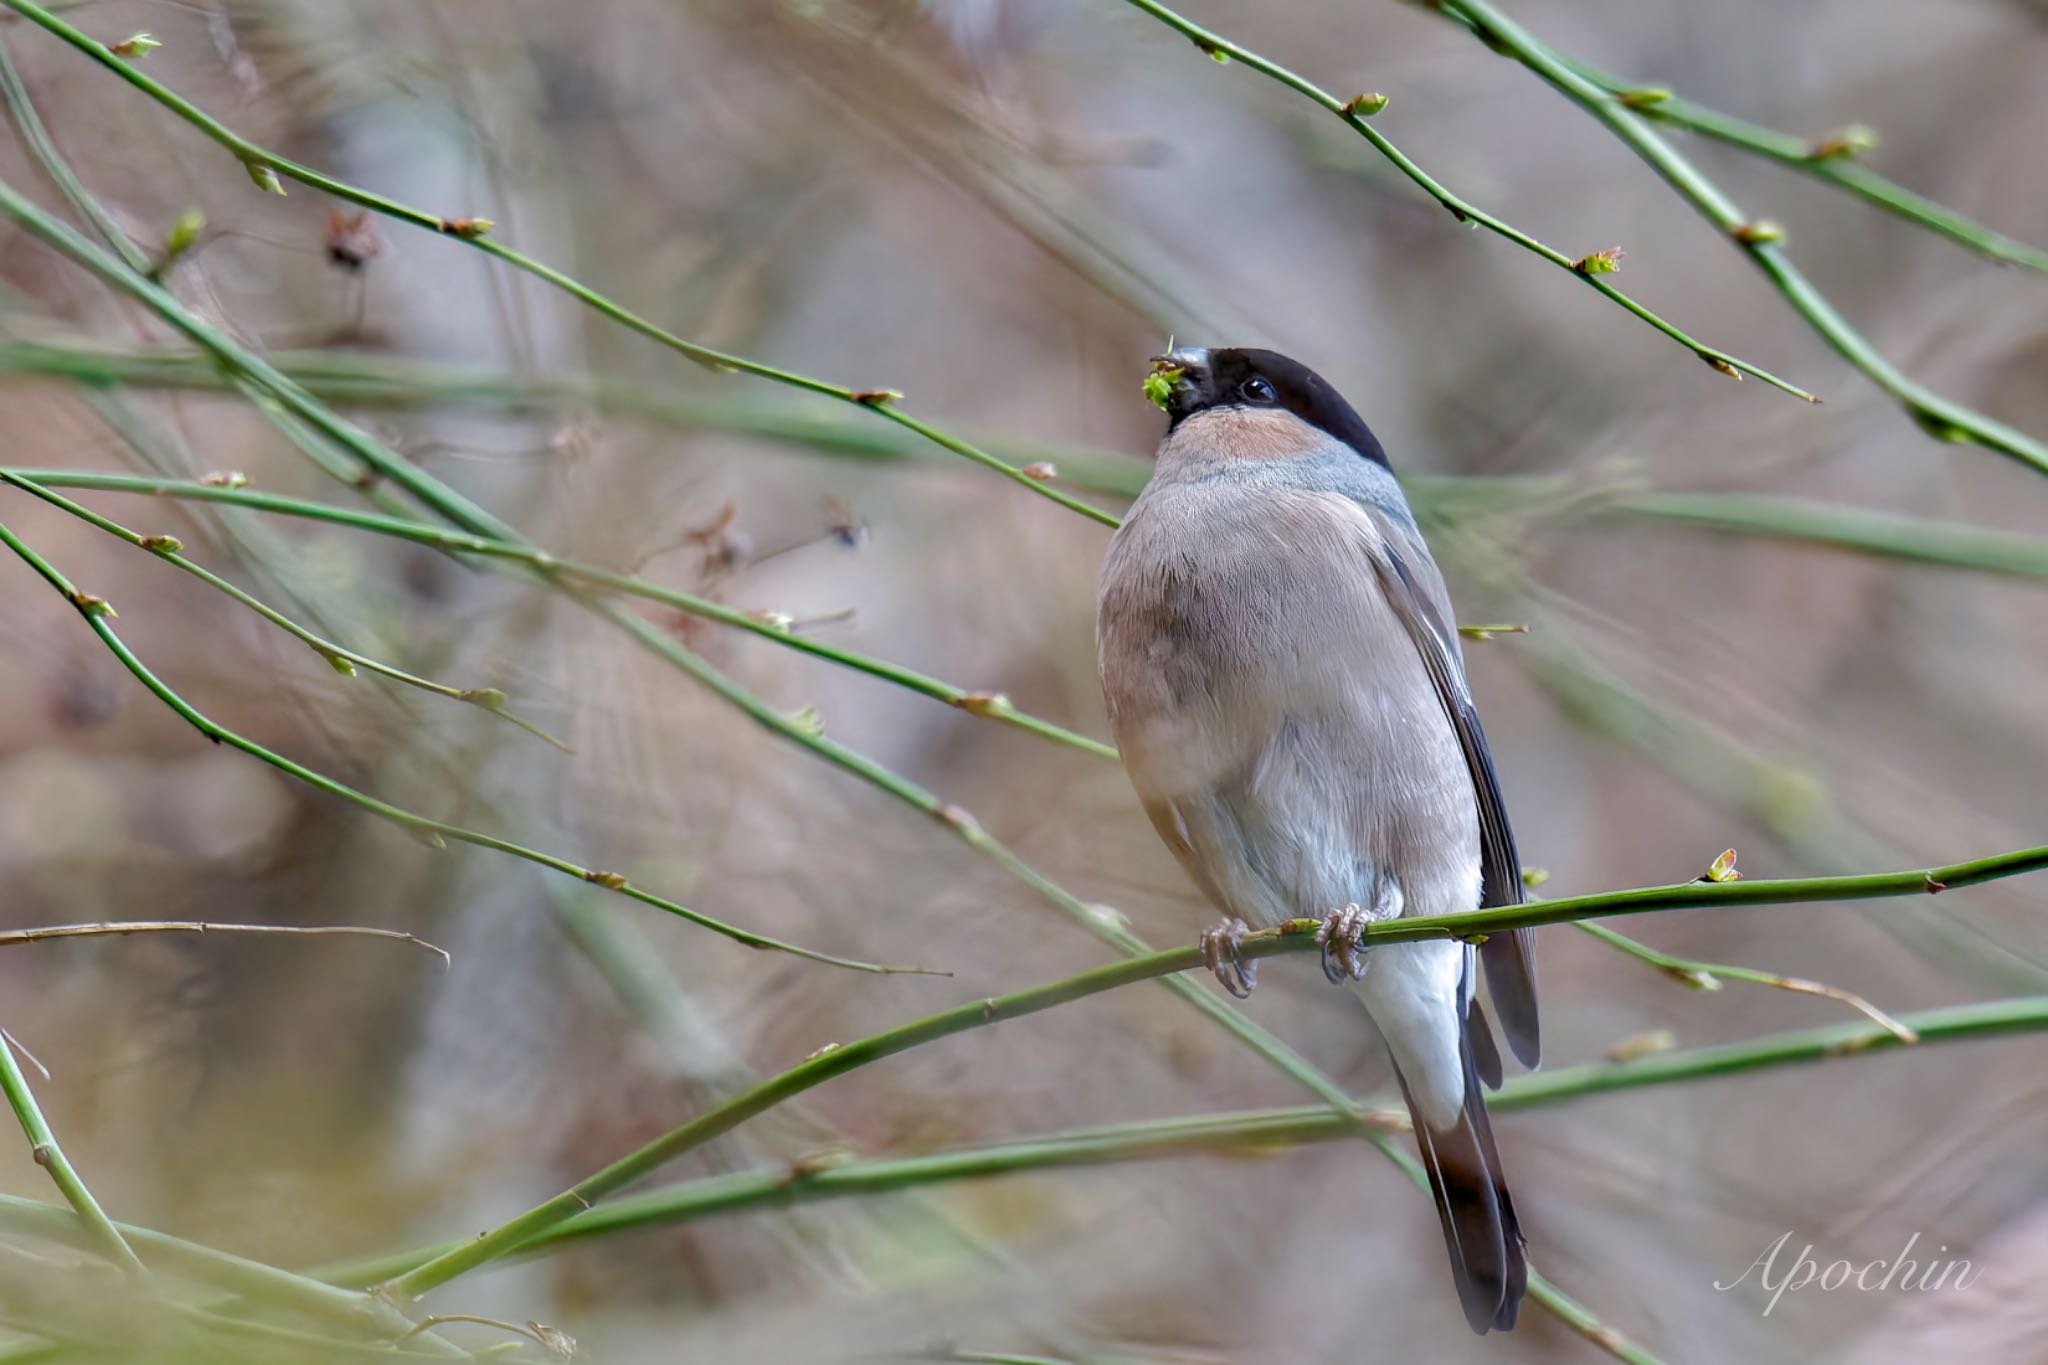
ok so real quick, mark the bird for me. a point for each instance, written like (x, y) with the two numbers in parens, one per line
(1283, 679)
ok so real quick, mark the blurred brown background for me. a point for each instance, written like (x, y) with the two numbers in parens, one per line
(1002, 209)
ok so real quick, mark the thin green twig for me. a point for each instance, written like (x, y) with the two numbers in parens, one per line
(1831, 164)
(1939, 416)
(97, 613)
(1708, 976)
(262, 162)
(338, 657)
(1355, 118)
(107, 1239)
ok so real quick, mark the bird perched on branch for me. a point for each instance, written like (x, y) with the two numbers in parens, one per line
(1282, 670)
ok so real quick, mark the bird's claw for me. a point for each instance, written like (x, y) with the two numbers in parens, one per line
(1223, 950)
(1343, 957)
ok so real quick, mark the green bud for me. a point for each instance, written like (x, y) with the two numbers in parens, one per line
(185, 230)
(1844, 143)
(1365, 106)
(1600, 262)
(265, 178)
(134, 47)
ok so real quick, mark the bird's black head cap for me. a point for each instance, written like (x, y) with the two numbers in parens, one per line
(1249, 378)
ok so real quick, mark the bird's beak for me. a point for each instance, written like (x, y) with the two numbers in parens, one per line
(1179, 377)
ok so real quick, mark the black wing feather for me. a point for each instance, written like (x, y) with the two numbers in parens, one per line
(1510, 958)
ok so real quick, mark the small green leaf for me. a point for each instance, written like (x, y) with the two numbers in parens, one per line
(1722, 869)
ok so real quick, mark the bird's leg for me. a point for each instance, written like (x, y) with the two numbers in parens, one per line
(1223, 950)
(1338, 935)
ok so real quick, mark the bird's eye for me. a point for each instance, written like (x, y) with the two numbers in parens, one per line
(1256, 390)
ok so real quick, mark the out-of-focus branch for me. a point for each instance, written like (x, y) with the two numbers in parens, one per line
(97, 613)
(339, 1308)
(36, 137)
(1293, 936)
(266, 166)
(106, 1238)
(1951, 544)
(414, 382)
(1762, 241)
(1354, 114)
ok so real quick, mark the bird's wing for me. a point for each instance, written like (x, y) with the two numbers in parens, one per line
(1415, 589)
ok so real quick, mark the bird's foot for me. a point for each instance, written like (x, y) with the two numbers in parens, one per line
(1343, 957)
(1223, 950)
(1339, 934)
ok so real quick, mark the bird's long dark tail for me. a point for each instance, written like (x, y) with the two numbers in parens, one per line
(1472, 1201)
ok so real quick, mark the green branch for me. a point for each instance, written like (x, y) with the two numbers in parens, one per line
(1939, 416)
(474, 232)
(1293, 936)
(1354, 114)
(338, 657)
(1708, 976)
(29, 124)
(1834, 166)
(97, 613)
(106, 1238)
